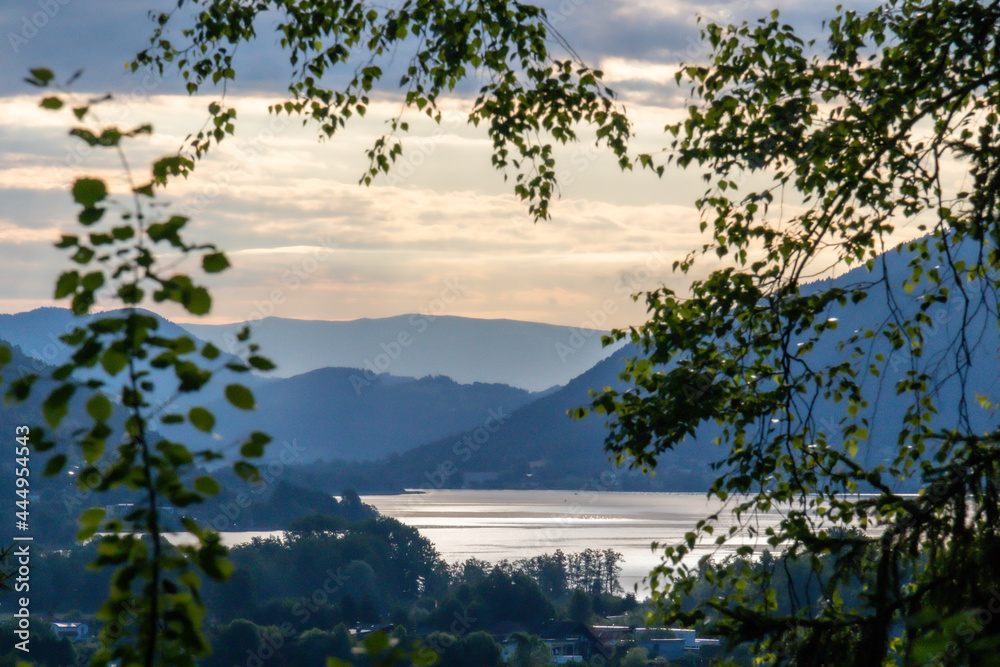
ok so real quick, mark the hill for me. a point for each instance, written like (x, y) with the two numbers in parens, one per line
(539, 445)
(536, 446)
(338, 413)
(528, 355)
(37, 333)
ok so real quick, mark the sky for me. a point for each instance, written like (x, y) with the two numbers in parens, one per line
(444, 234)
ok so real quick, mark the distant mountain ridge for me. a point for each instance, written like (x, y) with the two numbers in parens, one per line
(325, 415)
(458, 425)
(37, 333)
(539, 445)
(527, 355)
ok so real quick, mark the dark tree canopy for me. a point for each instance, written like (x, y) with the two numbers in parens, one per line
(857, 139)
(529, 100)
(814, 155)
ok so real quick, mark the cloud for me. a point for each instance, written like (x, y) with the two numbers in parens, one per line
(291, 214)
(305, 240)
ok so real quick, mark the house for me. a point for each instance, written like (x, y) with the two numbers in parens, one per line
(569, 641)
(663, 648)
(74, 631)
(665, 643)
(572, 641)
(613, 635)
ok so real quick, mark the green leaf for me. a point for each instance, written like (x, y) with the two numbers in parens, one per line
(202, 419)
(56, 405)
(93, 448)
(199, 302)
(90, 521)
(89, 191)
(376, 642)
(51, 103)
(40, 76)
(424, 657)
(113, 361)
(5, 355)
(144, 190)
(261, 363)
(240, 396)
(214, 262)
(246, 471)
(206, 485)
(90, 215)
(254, 447)
(67, 284)
(83, 255)
(54, 465)
(123, 233)
(21, 388)
(99, 408)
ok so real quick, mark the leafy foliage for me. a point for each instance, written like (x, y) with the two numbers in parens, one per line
(155, 583)
(857, 139)
(527, 92)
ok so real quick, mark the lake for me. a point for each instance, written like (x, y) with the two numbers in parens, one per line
(494, 525)
(498, 525)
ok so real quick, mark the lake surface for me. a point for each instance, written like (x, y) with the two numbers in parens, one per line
(494, 525)
(498, 525)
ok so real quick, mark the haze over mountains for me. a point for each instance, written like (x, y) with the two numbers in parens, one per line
(469, 418)
(354, 413)
(527, 355)
(539, 445)
(327, 415)
(38, 332)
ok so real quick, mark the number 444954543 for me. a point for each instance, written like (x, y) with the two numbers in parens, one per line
(22, 452)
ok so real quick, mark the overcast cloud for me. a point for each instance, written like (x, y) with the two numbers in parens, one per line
(289, 210)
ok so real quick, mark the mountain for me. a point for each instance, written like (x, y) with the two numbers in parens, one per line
(435, 431)
(528, 355)
(339, 413)
(951, 331)
(37, 333)
(540, 445)
(539, 439)
(537, 445)
(56, 500)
